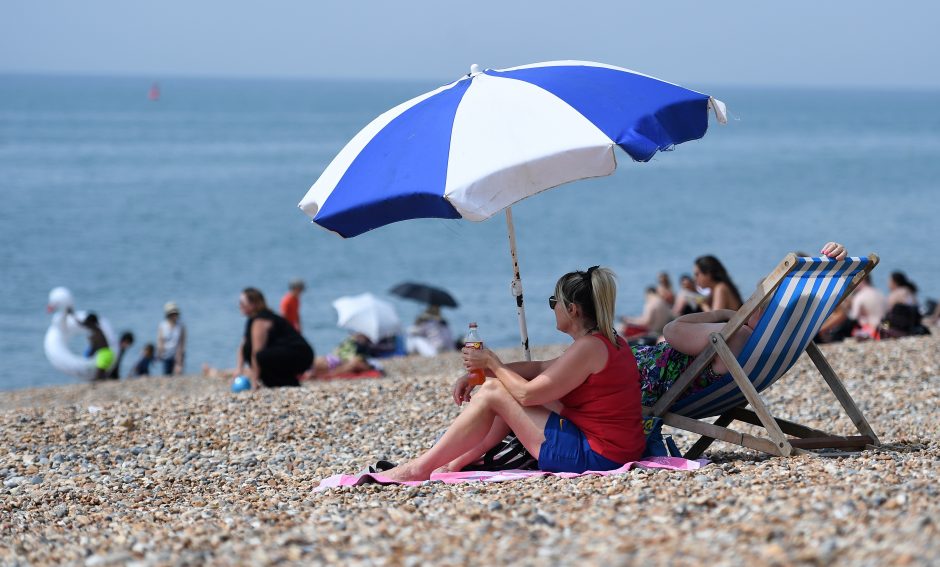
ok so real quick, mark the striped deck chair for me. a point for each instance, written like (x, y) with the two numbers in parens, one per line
(797, 296)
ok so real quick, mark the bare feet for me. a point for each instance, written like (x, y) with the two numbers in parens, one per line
(405, 472)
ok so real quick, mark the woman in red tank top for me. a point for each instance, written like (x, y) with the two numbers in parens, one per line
(578, 412)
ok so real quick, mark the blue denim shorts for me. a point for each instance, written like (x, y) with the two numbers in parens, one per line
(566, 449)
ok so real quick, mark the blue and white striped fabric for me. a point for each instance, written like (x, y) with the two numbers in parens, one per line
(802, 302)
(473, 147)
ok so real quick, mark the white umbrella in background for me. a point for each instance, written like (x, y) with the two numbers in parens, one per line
(475, 147)
(367, 314)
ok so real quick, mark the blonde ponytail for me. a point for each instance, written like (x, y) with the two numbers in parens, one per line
(595, 290)
(604, 287)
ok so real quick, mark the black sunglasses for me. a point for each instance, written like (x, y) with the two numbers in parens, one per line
(552, 302)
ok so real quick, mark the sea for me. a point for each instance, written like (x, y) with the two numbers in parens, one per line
(131, 202)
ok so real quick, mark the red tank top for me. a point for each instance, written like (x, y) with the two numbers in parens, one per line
(606, 407)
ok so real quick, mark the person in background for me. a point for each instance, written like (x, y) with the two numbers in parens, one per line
(837, 327)
(350, 357)
(867, 308)
(274, 352)
(355, 354)
(688, 300)
(171, 340)
(357, 344)
(142, 367)
(901, 291)
(430, 335)
(903, 317)
(290, 303)
(656, 313)
(124, 343)
(710, 274)
(98, 347)
(664, 288)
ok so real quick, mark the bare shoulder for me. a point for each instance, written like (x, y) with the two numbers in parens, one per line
(722, 289)
(589, 349)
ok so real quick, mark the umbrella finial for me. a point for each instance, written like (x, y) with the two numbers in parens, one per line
(474, 69)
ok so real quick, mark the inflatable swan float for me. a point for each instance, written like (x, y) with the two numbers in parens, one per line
(65, 324)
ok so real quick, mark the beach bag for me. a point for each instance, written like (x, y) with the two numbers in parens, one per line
(657, 444)
(506, 455)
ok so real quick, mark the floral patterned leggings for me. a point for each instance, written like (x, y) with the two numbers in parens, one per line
(661, 365)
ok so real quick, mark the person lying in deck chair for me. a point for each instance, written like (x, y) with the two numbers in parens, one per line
(686, 337)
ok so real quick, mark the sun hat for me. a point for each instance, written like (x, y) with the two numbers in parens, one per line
(170, 308)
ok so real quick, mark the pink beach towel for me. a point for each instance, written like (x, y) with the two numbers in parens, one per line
(673, 463)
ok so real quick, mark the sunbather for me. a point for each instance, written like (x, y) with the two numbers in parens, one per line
(688, 300)
(710, 274)
(661, 364)
(664, 288)
(656, 313)
(578, 412)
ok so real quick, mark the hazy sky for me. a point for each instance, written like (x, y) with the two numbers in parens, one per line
(838, 42)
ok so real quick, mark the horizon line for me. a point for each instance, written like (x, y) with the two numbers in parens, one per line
(159, 77)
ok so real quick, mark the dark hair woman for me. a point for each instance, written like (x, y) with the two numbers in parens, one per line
(578, 412)
(901, 291)
(709, 273)
(275, 353)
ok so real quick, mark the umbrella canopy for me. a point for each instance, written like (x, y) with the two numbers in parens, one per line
(367, 314)
(473, 147)
(424, 293)
(494, 137)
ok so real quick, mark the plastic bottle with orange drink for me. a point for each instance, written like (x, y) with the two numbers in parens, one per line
(477, 375)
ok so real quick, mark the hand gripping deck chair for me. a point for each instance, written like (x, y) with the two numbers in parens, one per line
(800, 293)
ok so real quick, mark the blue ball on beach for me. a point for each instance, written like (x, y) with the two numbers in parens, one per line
(241, 383)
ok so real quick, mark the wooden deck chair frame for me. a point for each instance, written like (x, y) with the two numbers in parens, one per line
(776, 441)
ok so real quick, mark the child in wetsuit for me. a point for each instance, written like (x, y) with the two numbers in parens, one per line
(98, 347)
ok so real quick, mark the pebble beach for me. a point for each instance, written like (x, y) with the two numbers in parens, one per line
(180, 471)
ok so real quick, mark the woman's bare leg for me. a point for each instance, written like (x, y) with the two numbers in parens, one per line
(497, 432)
(692, 338)
(473, 425)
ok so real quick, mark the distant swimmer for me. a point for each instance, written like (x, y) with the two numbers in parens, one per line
(154, 93)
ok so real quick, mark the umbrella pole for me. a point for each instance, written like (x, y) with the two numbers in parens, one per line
(517, 286)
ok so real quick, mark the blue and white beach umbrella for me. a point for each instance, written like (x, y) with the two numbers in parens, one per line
(494, 137)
